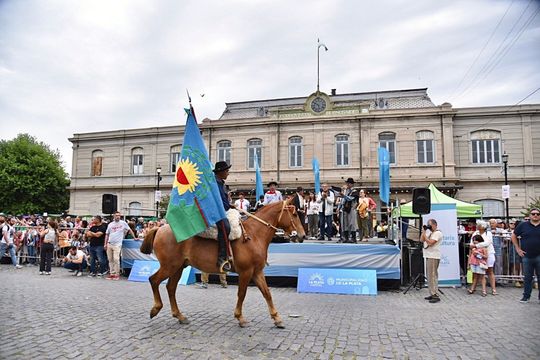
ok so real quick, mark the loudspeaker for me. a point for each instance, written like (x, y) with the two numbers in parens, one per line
(109, 203)
(421, 201)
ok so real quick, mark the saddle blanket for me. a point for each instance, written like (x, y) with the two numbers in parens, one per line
(233, 216)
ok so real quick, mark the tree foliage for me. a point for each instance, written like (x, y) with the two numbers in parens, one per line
(534, 204)
(32, 179)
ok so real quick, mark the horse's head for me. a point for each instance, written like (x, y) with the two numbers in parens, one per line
(290, 222)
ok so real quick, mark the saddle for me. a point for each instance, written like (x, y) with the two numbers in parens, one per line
(233, 216)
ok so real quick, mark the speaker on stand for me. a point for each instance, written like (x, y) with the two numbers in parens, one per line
(109, 203)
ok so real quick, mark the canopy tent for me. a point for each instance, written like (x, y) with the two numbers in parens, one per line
(464, 209)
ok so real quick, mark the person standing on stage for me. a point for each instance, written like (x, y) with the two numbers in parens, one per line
(326, 201)
(365, 206)
(432, 238)
(242, 203)
(299, 203)
(272, 195)
(529, 250)
(349, 203)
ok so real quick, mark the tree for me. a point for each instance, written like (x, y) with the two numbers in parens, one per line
(164, 204)
(32, 179)
(534, 204)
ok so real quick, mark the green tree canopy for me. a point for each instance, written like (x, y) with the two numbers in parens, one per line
(32, 179)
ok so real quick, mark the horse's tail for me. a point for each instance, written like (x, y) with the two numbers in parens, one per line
(148, 243)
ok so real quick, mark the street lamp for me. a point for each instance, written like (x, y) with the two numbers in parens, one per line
(157, 196)
(505, 162)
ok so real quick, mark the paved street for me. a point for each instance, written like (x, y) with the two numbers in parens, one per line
(65, 317)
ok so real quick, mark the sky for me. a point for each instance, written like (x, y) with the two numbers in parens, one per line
(71, 67)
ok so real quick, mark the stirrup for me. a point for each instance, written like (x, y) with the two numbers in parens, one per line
(224, 265)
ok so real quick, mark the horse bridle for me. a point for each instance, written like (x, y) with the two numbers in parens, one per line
(293, 233)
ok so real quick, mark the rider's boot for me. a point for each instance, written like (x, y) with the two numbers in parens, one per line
(223, 264)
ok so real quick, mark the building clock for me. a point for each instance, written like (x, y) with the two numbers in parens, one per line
(318, 105)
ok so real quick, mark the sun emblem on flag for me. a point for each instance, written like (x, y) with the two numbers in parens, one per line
(187, 176)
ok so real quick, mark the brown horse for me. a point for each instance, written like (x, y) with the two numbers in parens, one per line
(250, 254)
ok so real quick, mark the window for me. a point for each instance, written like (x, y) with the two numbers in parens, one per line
(175, 156)
(485, 147)
(97, 163)
(491, 208)
(254, 147)
(388, 140)
(295, 151)
(134, 208)
(224, 151)
(424, 147)
(342, 150)
(137, 161)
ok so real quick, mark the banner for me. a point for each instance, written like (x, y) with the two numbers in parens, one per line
(384, 175)
(259, 190)
(446, 217)
(316, 171)
(337, 281)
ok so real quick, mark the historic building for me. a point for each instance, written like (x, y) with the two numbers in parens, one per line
(460, 150)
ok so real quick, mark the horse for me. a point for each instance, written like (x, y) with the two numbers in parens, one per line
(250, 257)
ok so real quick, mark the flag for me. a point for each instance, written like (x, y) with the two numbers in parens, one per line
(384, 175)
(315, 165)
(259, 191)
(195, 202)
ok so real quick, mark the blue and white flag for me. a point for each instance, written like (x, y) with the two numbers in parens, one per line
(384, 175)
(316, 171)
(259, 190)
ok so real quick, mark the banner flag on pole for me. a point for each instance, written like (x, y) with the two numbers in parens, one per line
(195, 202)
(316, 173)
(384, 175)
(259, 190)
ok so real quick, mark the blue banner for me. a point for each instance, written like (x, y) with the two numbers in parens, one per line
(142, 270)
(259, 190)
(316, 171)
(384, 175)
(337, 281)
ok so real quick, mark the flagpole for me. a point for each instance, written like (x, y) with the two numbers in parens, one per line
(318, 47)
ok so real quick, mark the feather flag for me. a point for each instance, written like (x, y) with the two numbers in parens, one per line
(259, 190)
(316, 171)
(195, 202)
(384, 175)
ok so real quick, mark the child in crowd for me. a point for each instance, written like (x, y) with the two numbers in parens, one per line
(478, 265)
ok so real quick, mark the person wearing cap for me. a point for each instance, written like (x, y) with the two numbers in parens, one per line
(272, 195)
(528, 247)
(221, 172)
(347, 212)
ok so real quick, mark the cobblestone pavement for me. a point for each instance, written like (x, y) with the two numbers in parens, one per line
(66, 317)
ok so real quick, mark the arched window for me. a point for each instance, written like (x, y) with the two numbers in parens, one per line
(175, 156)
(486, 147)
(224, 151)
(491, 207)
(134, 208)
(254, 148)
(296, 152)
(424, 147)
(342, 150)
(97, 163)
(137, 158)
(387, 140)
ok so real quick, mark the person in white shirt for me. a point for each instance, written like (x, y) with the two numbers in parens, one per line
(326, 201)
(272, 195)
(7, 231)
(242, 203)
(313, 216)
(114, 236)
(75, 260)
(481, 229)
(432, 239)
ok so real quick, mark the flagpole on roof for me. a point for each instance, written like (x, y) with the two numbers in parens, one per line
(191, 106)
(319, 45)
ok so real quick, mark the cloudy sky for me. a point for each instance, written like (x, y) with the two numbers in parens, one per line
(77, 66)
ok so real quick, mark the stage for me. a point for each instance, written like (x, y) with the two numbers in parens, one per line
(285, 259)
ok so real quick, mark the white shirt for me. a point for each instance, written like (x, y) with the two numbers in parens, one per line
(116, 231)
(434, 251)
(329, 208)
(313, 208)
(242, 204)
(7, 232)
(79, 256)
(272, 197)
(487, 243)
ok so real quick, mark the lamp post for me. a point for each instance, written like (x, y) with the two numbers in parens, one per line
(158, 195)
(505, 162)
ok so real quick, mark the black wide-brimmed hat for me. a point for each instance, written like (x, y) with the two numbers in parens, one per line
(350, 181)
(220, 166)
(272, 183)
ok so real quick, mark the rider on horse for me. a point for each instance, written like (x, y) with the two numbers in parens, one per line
(221, 171)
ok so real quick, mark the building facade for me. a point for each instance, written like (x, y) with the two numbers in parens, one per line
(460, 150)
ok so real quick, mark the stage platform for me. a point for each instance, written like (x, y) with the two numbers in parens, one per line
(285, 259)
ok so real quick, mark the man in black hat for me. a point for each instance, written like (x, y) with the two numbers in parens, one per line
(221, 171)
(347, 212)
(272, 195)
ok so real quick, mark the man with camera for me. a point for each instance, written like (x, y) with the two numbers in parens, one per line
(326, 200)
(432, 238)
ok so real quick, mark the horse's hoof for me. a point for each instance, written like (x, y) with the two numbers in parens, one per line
(183, 321)
(242, 324)
(280, 325)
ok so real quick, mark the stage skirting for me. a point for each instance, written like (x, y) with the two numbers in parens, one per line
(285, 259)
